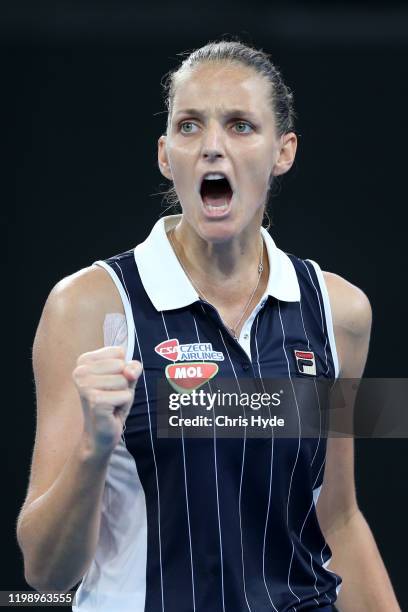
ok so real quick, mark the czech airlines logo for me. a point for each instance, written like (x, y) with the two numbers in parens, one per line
(306, 362)
(186, 377)
(194, 351)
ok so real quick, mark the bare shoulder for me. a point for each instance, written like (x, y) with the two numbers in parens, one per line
(89, 290)
(73, 317)
(350, 306)
(352, 317)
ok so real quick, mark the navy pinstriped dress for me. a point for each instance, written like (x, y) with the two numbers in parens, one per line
(214, 525)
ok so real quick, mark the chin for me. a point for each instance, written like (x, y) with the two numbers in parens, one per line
(218, 231)
(222, 230)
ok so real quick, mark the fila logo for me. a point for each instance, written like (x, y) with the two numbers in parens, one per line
(305, 362)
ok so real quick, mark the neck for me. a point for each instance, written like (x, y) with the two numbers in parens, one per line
(227, 271)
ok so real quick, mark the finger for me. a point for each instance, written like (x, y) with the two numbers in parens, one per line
(103, 366)
(105, 352)
(106, 382)
(100, 397)
(132, 371)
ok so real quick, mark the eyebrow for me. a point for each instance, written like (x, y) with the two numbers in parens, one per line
(228, 114)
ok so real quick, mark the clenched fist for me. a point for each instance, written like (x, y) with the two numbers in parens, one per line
(106, 385)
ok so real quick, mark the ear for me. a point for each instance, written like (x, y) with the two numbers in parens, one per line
(162, 157)
(287, 154)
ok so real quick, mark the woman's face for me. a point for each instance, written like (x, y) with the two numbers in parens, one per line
(222, 122)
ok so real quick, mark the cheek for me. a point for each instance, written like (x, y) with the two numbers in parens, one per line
(181, 177)
(258, 163)
(258, 174)
(180, 160)
(182, 148)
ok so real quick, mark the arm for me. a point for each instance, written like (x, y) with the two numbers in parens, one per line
(58, 525)
(366, 586)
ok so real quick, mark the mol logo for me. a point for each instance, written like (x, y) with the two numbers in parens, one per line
(186, 377)
(306, 362)
(191, 351)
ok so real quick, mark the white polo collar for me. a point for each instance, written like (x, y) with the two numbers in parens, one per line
(168, 286)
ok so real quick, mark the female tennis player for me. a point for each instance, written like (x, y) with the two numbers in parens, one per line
(211, 524)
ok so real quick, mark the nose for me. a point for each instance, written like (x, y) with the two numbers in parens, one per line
(212, 143)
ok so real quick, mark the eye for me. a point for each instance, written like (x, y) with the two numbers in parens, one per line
(188, 124)
(243, 124)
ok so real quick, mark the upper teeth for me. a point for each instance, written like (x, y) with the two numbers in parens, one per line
(214, 176)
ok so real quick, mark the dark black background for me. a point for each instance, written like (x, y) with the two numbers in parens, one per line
(86, 113)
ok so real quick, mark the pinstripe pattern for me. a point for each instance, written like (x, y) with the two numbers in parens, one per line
(216, 481)
(186, 489)
(270, 472)
(327, 370)
(231, 524)
(152, 444)
(321, 314)
(315, 453)
(241, 476)
(298, 448)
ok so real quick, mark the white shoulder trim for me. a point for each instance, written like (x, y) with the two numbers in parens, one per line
(126, 306)
(328, 315)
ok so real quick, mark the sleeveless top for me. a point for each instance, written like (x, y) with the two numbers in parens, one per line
(214, 524)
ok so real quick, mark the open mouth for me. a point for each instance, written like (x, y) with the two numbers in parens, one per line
(216, 195)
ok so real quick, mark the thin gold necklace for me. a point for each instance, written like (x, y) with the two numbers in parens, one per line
(260, 270)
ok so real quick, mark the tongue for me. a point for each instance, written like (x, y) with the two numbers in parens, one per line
(216, 200)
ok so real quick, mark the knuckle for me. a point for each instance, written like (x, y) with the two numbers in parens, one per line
(94, 396)
(82, 358)
(120, 363)
(116, 352)
(124, 395)
(81, 370)
(81, 383)
(79, 375)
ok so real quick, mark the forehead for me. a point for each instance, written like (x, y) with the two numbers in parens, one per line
(222, 85)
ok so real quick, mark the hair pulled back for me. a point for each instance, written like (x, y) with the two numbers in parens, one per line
(236, 52)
